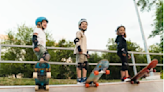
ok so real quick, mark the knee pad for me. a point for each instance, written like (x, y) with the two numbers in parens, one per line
(124, 66)
(46, 56)
(85, 65)
(79, 66)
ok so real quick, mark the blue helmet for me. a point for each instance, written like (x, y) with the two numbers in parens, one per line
(40, 19)
(82, 20)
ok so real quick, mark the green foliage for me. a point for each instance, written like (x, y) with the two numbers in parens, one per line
(64, 71)
(22, 36)
(161, 74)
(158, 21)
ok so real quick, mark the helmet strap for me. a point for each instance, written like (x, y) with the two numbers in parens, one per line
(82, 29)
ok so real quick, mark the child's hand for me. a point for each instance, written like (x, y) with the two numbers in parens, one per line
(124, 54)
(80, 52)
(88, 56)
(36, 49)
(129, 56)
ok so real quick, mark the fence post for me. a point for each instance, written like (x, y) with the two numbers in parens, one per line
(134, 64)
(0, 56)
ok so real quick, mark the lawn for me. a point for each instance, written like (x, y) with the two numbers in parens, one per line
(27, 81)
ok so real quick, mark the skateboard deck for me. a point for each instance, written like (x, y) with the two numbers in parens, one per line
(144, 71)
(97, 72)
(42, 74)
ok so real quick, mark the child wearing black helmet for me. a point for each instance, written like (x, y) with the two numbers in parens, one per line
(122, 52)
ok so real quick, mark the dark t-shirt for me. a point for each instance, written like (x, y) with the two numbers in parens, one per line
(121, 45)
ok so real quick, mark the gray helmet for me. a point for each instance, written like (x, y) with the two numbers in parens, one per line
(82, 20)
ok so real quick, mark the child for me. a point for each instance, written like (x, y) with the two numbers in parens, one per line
(39, 39)
(122, 52)
(81, 51)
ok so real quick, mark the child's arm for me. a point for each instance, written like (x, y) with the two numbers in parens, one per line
(76, 41)
(120, 45)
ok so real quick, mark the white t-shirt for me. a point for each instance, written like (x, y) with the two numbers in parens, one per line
(41, 37)
(82, 42)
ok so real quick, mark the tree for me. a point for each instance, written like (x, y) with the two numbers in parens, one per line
(64, 71)
(22, 36)
(155, 49)
(158, 21)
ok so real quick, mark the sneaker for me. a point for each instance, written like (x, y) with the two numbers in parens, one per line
(122, 80)
(83, 80)
(126, 79)
(78, 80)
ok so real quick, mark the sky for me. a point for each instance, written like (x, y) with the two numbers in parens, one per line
(103, 17)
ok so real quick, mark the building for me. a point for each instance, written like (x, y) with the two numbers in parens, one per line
(3, 38)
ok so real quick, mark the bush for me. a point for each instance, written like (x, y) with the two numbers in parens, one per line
(161, 74)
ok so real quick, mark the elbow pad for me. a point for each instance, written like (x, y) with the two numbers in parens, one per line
(79, 48)
(76, 40)
(35, 41)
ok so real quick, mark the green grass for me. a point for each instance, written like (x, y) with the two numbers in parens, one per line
(24, 81)
(161, 74)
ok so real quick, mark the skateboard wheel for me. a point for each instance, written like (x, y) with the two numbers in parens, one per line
(48, 74)
(36, 87)
(132, 82)
(144, 76)
(96, 84)
(107, 71)
(34, 74)
(96, 73)
(86, 85)
(47, 87)
(138, 82)
(154, 70)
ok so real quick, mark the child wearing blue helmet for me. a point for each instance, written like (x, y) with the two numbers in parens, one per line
(39, 39)
(81, 51)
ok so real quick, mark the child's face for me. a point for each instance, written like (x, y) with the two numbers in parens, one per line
(44, 24)
(84, 25)
(121, 31)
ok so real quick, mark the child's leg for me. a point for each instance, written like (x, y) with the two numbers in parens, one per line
(84, 72)
(79, 67)
(43, 54)
(85, 68)
(126, 73)
(85, 65)
(122, 74)
(124, 69)
(78, 72)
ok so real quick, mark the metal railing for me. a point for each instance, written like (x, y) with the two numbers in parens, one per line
(96, 50)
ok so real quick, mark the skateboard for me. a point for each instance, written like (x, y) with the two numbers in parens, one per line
(144, 72)
(97, 72)
(42, 74)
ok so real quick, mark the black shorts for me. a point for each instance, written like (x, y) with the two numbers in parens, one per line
(124, 60)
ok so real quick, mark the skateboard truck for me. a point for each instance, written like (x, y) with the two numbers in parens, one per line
(101, 72)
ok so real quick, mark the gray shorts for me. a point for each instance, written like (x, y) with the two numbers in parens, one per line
(80, 58)
(41, 52)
